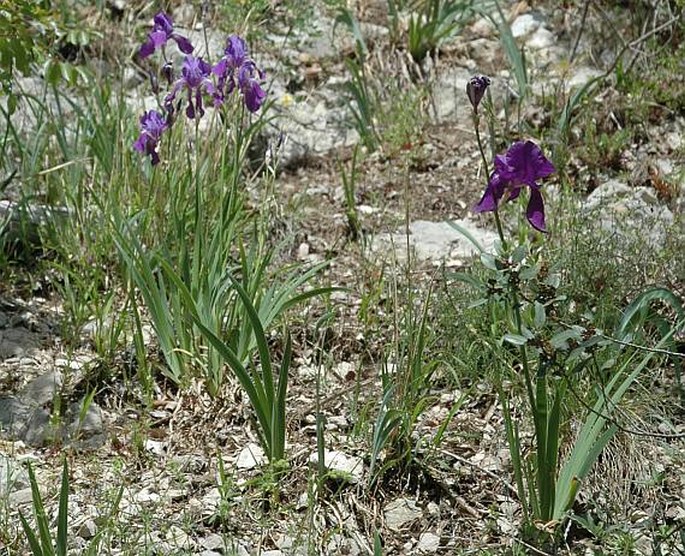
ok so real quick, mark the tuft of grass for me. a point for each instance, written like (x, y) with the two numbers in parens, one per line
(41, 542)
(434, 23)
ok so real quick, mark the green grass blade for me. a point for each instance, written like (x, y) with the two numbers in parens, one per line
(552, 456)
(544, 472)
(468, 235)
(30, 536)
(284, 297)
(279, 415)
(94, 545)
(139, 264)
(387, 421)
(514, 53)
(62, 513)
(456, 406)
(515, 452)
(377, 544)
(346, 17)
(636, 312)
(253, 388)
(564, 123)
(41, 517)
(262, 343)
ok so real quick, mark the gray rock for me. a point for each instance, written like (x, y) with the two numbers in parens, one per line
(309, 128)
(239, 550)
(323, 38)
(213, 542)
(449, 96)
(250, 456)
(623, 210)
(483, 27)
(530, 29)
(17, 342)
(210, 501)
(339, 544)
(209, 44)
(42, 389)
(20, 497)
(177, 537)
(581, 76)
(401, 512)
(349, 467)
(14, 415)
(436, 241)
(608, 190)
(429, 543)
(28, 416)
(21, 221)
(284, 542)
(542, 38)
(38, 102)
(88, 529)
(525, 24)
(85, 432)
(40, 430)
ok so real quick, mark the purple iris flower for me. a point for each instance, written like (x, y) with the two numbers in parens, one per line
(152, 125)
(236, 69)
(195, 80)
(475, 89)
(235, 55)
(522, 165)
(162, 31)
(249, 81)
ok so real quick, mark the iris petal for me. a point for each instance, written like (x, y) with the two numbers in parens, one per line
(184, 45)
(493, 193)
(535, 212)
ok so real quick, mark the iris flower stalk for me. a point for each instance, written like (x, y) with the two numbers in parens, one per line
(522, 166)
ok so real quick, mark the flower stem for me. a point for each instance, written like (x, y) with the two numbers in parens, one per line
(500, 231)
(476, 126)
